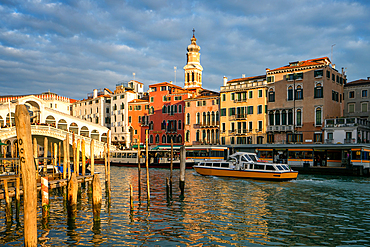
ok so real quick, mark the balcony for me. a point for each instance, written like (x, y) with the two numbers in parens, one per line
(240, 100)
(280, 128)
(241, 132)
(329, 141)
(171, 130)
(346, 122)
(144, 123)
(242, 116)
(210, 124)
(349, 141)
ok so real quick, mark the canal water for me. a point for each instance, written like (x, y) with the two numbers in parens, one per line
(312, 210)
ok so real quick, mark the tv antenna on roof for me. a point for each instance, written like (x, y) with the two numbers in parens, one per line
(331, 58)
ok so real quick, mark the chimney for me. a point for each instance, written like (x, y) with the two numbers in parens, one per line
(95, 94)
(368, 78)
(171, 82)
(225, 80)
(243, 75)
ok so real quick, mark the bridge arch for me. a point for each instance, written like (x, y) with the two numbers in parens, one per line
(73, 127)
(62, 124)
(84, 131)
(50, 120)
(95, 135)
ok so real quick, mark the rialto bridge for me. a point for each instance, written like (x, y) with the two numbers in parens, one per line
(50, 123)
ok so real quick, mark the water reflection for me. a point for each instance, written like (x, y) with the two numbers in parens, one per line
(215, 211)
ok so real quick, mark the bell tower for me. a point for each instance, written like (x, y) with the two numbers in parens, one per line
(193, 69)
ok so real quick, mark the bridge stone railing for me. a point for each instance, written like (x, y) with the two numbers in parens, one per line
(42, 130)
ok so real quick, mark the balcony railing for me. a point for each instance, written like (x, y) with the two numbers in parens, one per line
(346, 122)
(240, 100)
(242, 116)
(280, 128)
(210, 124)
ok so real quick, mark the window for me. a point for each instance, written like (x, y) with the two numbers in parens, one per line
(299, 117)
(106, 110)
(250, 109)
(351, 108)
(364, 107)
(259, 93)
(187, 136)
(259, 109)
(179, 125)
(277, 118)
(271, 118)
(223, 97)
(232, 140)
(335, 96)
(318, 73)
(270, 138)
(232, 96)
(351, 95)
(223, 112)
(295, 76)
(232, 111)
(250, 96)
(318, 91)
(163, 88)
(317, 137)
(330, 136)
(333, 77)
(129, 119)
(260, 125)
(270, 78)
(283, 117)
(328, 74)
(364, 93)
(164, 139)
(271, 95)
(122, 96)
(299, 93)
(198, 118)
(222, 140)
(290, 93)
(250, 126)
(151, 99)
(318, 117)
(188, 118)
(180, 108)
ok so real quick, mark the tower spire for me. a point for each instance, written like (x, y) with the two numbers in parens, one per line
(193, 69)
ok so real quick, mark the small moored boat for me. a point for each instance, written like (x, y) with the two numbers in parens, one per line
(245, 165)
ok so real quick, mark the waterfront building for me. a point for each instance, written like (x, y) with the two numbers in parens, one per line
(243, 104)
(300, 96)
(166, 113)
(346, 130)
(202, 119)
(109, 109)
(357, 99)
(138, 120)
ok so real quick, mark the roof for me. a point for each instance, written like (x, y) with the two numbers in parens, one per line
(310, 62)
(247, 78)
(139, 101)
(358, 82)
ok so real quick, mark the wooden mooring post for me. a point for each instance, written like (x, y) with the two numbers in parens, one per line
(147, 166)
(92, 157)
(72, 196)
(22, 121)
(171, 168)
(65, 166)
(83, 157)
(182, 170)
(8, 202)
(45, 155)
(139, 168)
(45, 198)
(97, 197)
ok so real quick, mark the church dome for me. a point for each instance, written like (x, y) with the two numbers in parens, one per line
(193, 47)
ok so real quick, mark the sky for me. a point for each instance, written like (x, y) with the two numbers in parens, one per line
(72, 47)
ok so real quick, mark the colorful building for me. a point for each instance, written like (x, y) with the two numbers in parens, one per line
(138, 120)
(243, 104)
(202, 119)
(300, 96)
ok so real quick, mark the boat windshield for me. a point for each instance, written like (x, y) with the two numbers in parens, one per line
(280, 168)
(253, 157)
(285, 167)
(246, 157)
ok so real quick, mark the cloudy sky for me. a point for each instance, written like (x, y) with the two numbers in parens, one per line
(71, 47)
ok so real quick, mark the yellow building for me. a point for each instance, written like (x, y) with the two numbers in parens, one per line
(243, 117)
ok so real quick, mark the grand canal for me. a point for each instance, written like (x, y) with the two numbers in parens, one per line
(312, 210)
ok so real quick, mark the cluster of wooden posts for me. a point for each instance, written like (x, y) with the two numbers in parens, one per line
(168, 180)
(28, 174)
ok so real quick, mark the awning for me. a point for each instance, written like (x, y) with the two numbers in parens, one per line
(166, 147)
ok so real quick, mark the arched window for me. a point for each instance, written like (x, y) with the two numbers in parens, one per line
(180, 108)
(283, 117)
(277, 117)
(299, 92)
(179, 125)
(290, 93)
(164, 139)
(290, 117)
(168, 139)
(198, 118)
(188, 118)
(156, 138)
(187, 136)
(122, 106)
(197, 137)
(271, 118)
(151, 139)
(271, 95)
(164, 109)
(217, 116)
(204, 118)
(179, 139)
(318, 117)
(175, 108)
(299, 117)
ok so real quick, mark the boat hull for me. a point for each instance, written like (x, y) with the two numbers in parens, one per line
(265, 175)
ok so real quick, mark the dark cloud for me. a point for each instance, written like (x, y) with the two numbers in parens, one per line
(72, 47)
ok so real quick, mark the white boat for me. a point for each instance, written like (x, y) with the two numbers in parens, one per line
(245, 165)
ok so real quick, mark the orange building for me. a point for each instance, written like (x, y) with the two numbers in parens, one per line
(138, 120)
(166, 111)
(202, 119)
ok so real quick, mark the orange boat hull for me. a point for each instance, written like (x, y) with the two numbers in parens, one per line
(265, 175)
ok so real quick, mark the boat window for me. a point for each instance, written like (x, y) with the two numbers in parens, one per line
(216, 164)
(259, 167)
(279, 167)
(123, 155)
(225, 165)
(134, 155)
(119, 155)
(114, 155)
(129, 155)
(251, 166)
(253, 157)
(247, 157)
(270, 168)
(285, 167)
(200, 164)
(244, 159)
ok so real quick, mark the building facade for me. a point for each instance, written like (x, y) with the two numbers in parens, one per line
(300, 96)
(202, 119)
(138, 120)
(357, 99)
(243, 104)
